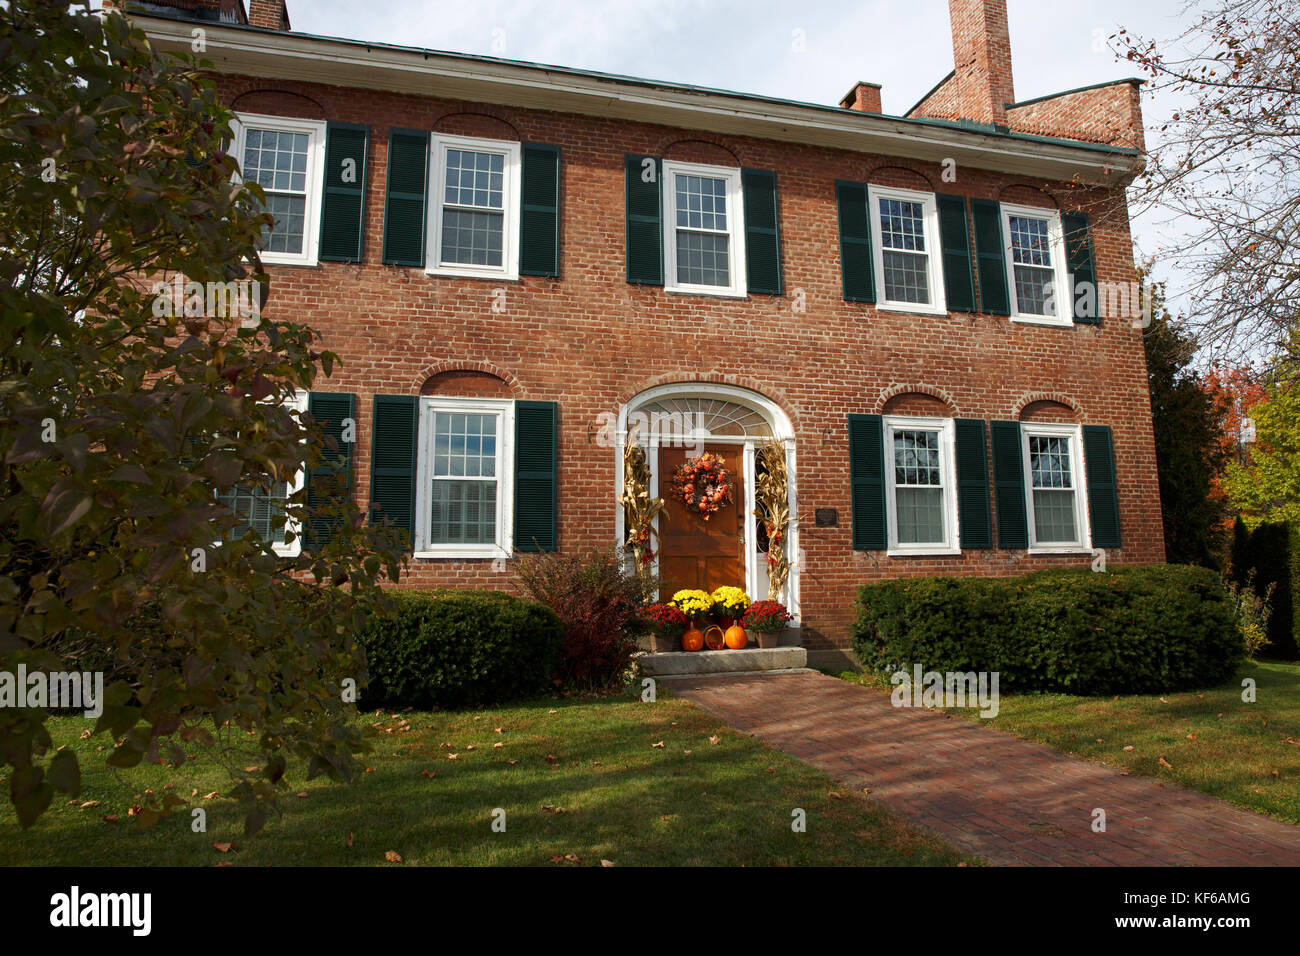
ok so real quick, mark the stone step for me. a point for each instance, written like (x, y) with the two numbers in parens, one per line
(748, 660)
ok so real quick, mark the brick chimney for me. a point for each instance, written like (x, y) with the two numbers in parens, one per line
(864, 97)
(272, 15)
(981, 52)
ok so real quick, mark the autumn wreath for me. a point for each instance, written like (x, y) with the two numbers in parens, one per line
(703, 484)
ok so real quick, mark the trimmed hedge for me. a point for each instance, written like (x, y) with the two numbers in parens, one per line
(1126, 631)
(459, 649)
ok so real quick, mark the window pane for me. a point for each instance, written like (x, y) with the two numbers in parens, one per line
(475, 179)
(1054, 517)
(703, 259)
(907, 277)
(464, 445)
(258, 508)
(463, 512)
(916, 458)
(1049, 462)
(1034, 292)
(902, 225)
(920, 515)
(472, 238)
(701, 202)
(275, 160)
(1029, 244)
(286, 232)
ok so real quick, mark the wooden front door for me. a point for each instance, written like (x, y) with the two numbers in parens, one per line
(694, 553)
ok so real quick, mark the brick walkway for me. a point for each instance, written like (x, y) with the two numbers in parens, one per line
(1006, 800)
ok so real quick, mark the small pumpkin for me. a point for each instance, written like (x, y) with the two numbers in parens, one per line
(693, 639)
(735, 637)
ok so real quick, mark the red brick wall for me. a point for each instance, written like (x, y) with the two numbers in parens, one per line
(590, 341)
(1104, 114)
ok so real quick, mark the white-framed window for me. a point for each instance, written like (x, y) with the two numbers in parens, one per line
(1036, 266)
(286, 157)
(465, 497)
(704, 230)
(474, 194)
(909, 276)
(260, 506)
(1054, 484)
(921, 491)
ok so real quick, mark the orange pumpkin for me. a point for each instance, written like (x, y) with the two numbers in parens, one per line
(693, 639)
(735, 637)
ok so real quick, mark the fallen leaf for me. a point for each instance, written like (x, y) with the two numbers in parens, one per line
(1191, 736)
(1165, 763)
(453, 756)
(512, 762)
(88, 804)
(303, 794)
(498, 745)
(653, 746)
(715, 739)
(392, 856)
(112, 818)
(1276, 775)
(835, 796)
(1128, 749)
(445, 744)
(470, 747)
(866, 789)
(222, 847)
(686, 751)
(252, 769)
(1163, 700)
(223, 863)
(571, 857)
(1100, 741)
(349, 840)
(770, 770)
(85, 734)
(135, 810)
(606, 862)
(370, 770)
(498, 730)
(429, 773)
(554, 711)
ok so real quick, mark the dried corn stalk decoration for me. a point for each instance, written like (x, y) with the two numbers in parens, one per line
(639, 509)
(772, 496)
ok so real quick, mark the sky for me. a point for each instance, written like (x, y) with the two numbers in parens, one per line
(811, 50)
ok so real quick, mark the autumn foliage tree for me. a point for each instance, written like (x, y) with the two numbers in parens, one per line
(119, 428)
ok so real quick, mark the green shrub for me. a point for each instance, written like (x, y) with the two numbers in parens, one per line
(459, 649)
(1126, 631)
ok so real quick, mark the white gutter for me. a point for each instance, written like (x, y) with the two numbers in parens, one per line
(356, 65)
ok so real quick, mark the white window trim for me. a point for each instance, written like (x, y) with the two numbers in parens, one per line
(504, 545)
(947, 455)
(739, 287)
(1061, 288)
(1078, 476)
(510, 197)
(934, 254)
(297, 405)
(315, 130)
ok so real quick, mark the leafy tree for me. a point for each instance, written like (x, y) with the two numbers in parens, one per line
(119, 427)
(1266, 488)
(1226, 167)
(1189, 453)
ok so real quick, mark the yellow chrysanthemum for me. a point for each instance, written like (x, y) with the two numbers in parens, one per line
(731, 601)
(693, 603)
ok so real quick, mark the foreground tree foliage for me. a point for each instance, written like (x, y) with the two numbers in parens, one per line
(118, 428)
(1266, 487)
(1226, 168)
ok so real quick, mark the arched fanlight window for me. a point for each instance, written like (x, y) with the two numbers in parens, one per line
(716, 416)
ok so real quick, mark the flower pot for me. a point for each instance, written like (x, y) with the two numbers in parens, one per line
(769, 639)
(726, 622)
(662, 643)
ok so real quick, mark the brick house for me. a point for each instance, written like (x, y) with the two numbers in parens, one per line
(516, 261)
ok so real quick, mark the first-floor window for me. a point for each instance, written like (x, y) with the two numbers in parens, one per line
(1052, 460)
(921, 490)
(463, 500)
(260, 506)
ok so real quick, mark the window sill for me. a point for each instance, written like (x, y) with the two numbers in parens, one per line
(448, 273)
(712, 293)
(470, 554)
(923, 552)
(1069, 549)
(1038, 320)
(910, 308)
(269, 260)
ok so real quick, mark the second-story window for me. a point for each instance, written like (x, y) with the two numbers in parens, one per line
(474, 212)
(906, 256)
(704, 232)
(284, 156)
(1036, 264)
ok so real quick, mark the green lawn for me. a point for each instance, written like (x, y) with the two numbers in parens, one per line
(575, 776)
(1245, 753)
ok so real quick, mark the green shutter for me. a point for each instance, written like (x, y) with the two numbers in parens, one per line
(537, 476)
(762, 231)
(1078, 258)
(990, 257)
(954, 240)
(329, 483)
(645, 228)
(867, 482)
(392, 461)
(1103, 489)
(856, 263)
(973, 484)
(405, 186)
(1009, 484)
(342, 216)
(539, 224)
